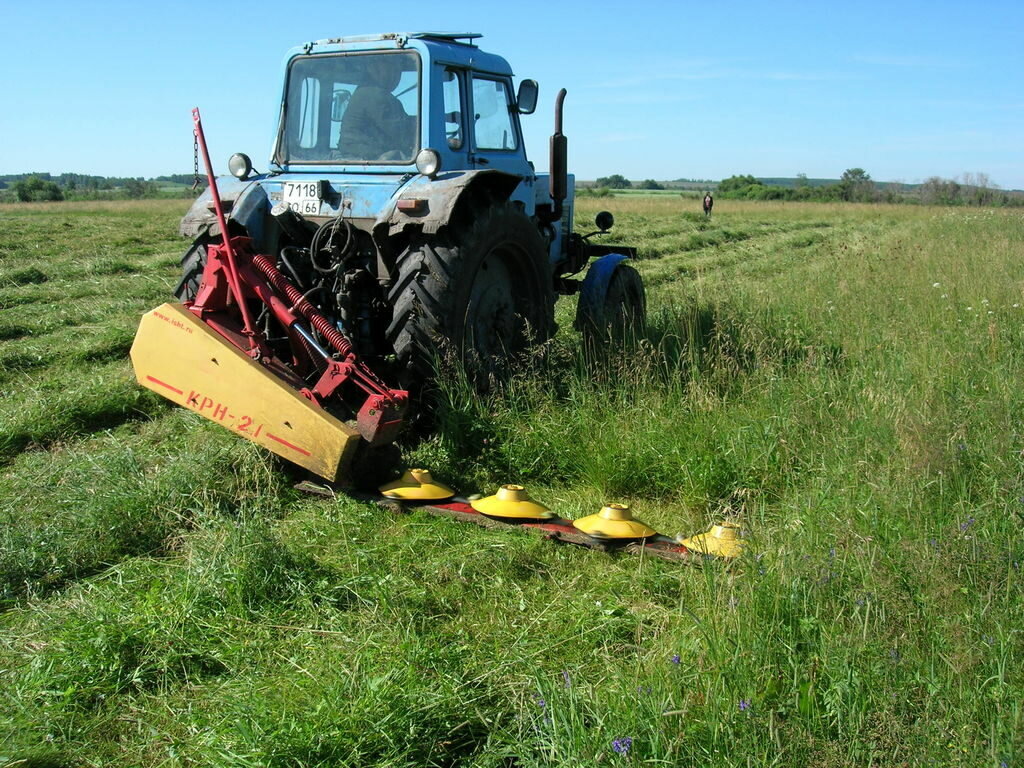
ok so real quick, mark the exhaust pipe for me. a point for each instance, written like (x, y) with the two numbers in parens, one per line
(559, 174)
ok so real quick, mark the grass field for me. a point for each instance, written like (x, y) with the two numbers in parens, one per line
(842, 380)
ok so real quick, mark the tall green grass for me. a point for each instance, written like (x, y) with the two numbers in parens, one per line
(841, 380)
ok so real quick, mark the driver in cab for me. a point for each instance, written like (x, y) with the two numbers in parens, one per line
(376, 126)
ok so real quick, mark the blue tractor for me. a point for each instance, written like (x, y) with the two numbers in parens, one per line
(401, 198)
(399, 221)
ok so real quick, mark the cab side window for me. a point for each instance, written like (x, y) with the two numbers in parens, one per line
(492, 115)
(452, 90)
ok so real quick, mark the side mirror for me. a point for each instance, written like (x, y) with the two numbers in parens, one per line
(338, 103)
(604, 221)
(526, 98)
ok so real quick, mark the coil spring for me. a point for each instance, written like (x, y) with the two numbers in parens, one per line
(302, 306)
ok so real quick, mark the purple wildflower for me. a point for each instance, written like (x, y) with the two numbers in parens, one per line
(565, 676)
(675, 659)
(744, 705)
(966, 524)
(541, 703)
(622, 745)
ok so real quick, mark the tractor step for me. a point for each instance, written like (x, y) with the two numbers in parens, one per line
(555, 529)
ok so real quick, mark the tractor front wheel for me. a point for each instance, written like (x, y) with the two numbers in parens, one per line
(625, 306)
(192, 265)
(485, 294)
(619, 315)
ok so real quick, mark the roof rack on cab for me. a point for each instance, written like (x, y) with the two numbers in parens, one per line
(451, 37)
(462, 38)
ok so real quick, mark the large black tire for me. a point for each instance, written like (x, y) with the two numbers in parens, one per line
(484, 295)
(192, 265)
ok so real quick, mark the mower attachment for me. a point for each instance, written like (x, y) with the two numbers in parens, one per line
(180, 357)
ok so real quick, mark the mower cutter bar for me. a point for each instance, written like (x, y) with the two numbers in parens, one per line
(556, 529)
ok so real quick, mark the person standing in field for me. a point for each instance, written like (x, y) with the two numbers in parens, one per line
(709, 203)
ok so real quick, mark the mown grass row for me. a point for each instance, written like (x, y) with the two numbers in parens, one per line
(853, 402)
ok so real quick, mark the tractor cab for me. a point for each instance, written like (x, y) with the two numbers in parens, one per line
(372, 104)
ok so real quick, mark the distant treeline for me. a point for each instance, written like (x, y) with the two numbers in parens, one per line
(855, 185)
(42, 187)
(618, 181)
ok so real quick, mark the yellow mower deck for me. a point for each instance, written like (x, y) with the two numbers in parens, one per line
(178, 356)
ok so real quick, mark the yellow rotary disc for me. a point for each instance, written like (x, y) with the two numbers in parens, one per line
(614, 521)
(512, 502)
(416, 485)
(720, 540)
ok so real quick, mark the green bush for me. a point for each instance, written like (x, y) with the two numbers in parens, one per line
(36, 190)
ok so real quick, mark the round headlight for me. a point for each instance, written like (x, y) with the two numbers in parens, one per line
(428, 162)
(240, 165)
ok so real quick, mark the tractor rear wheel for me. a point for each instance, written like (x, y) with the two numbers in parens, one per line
(486, 294)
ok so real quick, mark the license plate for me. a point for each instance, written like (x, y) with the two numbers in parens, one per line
(302, 197)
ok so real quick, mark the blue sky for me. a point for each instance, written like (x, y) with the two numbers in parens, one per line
(657, 89)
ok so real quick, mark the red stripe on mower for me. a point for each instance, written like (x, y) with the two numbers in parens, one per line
(277, 439)
(165, 384)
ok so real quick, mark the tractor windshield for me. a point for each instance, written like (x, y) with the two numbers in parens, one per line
(351, 108)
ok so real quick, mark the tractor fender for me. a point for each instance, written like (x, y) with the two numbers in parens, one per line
(244, 202)
(441, 196)
(594, 289)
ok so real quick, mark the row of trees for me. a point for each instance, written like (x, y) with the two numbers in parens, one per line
(856, 185)
(972, 189)
(618, 181)
(44, 187)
